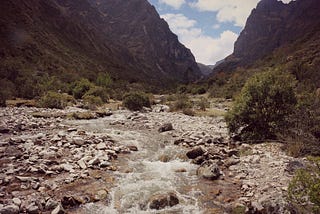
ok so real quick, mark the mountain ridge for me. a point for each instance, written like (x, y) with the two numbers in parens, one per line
(69, 39)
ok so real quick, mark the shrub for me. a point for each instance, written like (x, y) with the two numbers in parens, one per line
(98, 92)
(136, 101)
(182, 89)
(92, 102)
(262, 108)
(104, 80)
(55, 100)
(203, 103)
(304, 189)
(198, 90)
(182, 102)
(188, 111)
(80, 87)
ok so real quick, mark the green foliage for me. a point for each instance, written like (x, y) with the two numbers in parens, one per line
(92, 102)
(304, 189)
(104, 80)
(135, 101)
(198, 90)
(6, 91)
(262, 108)
(55, 100)
(98, 92)
(203, 103)
(81, 87)
(182, 89)
(182, 102)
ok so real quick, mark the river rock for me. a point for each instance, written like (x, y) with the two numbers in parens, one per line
(100, 195)
(10, 209)
(33, 209)
(58, 210)
(51, 204)
(78, 141)
(160, 201)
(16, 201)
(165, 127)
(101, 146)
(195, 152)
(210, 172)
(82, 164)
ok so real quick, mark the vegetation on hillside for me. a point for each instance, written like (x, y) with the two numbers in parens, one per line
(263, 106)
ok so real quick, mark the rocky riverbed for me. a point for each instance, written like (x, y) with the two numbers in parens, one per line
(133, 162)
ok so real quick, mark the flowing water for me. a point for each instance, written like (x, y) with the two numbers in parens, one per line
(159, 167)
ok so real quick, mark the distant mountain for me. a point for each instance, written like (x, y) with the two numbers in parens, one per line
(69, 39)
(205, 69)
(273, 25)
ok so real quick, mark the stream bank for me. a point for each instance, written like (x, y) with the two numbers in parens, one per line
(130, 162)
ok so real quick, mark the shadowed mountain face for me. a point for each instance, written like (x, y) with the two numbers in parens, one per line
(68, 39)
(272, 25)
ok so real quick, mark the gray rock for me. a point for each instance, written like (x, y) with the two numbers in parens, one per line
(10, 209)
(101, 146)
(33, 209)
(82, 164)
(160, 201)
(78, 141)
(16, 201)
(210, 172)
(195, 152)
(68, 167)
(51, 204)
(58, 210)
(165, 127)
(100, 195)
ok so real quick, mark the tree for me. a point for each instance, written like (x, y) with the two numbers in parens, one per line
(262, 108)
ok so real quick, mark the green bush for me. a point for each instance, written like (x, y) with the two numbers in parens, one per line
(81, 87)
(182, 102)
(104, 80)
(135, 101)
(203, 103)
(92, 102)
(98, 92)
(304, 189)
(55, 100)
(262, 108)
(198, 90)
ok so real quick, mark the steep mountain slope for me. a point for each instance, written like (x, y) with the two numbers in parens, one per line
(274, 25)
(71, 39)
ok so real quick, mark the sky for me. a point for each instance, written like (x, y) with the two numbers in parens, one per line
(208, 28)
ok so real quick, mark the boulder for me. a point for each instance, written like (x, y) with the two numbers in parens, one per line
(10, 209)
(166, 127)
(58, 210)
(195, 152)
(160, 201)
(210, 172)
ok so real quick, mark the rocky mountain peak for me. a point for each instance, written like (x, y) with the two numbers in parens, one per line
(271, 25)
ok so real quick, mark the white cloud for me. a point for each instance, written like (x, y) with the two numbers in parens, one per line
(206, 49)
(235, 11)
(216, 26)
(176, 4)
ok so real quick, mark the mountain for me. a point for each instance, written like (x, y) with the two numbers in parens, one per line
(68, 39)
(273, 25)
(205, 69)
